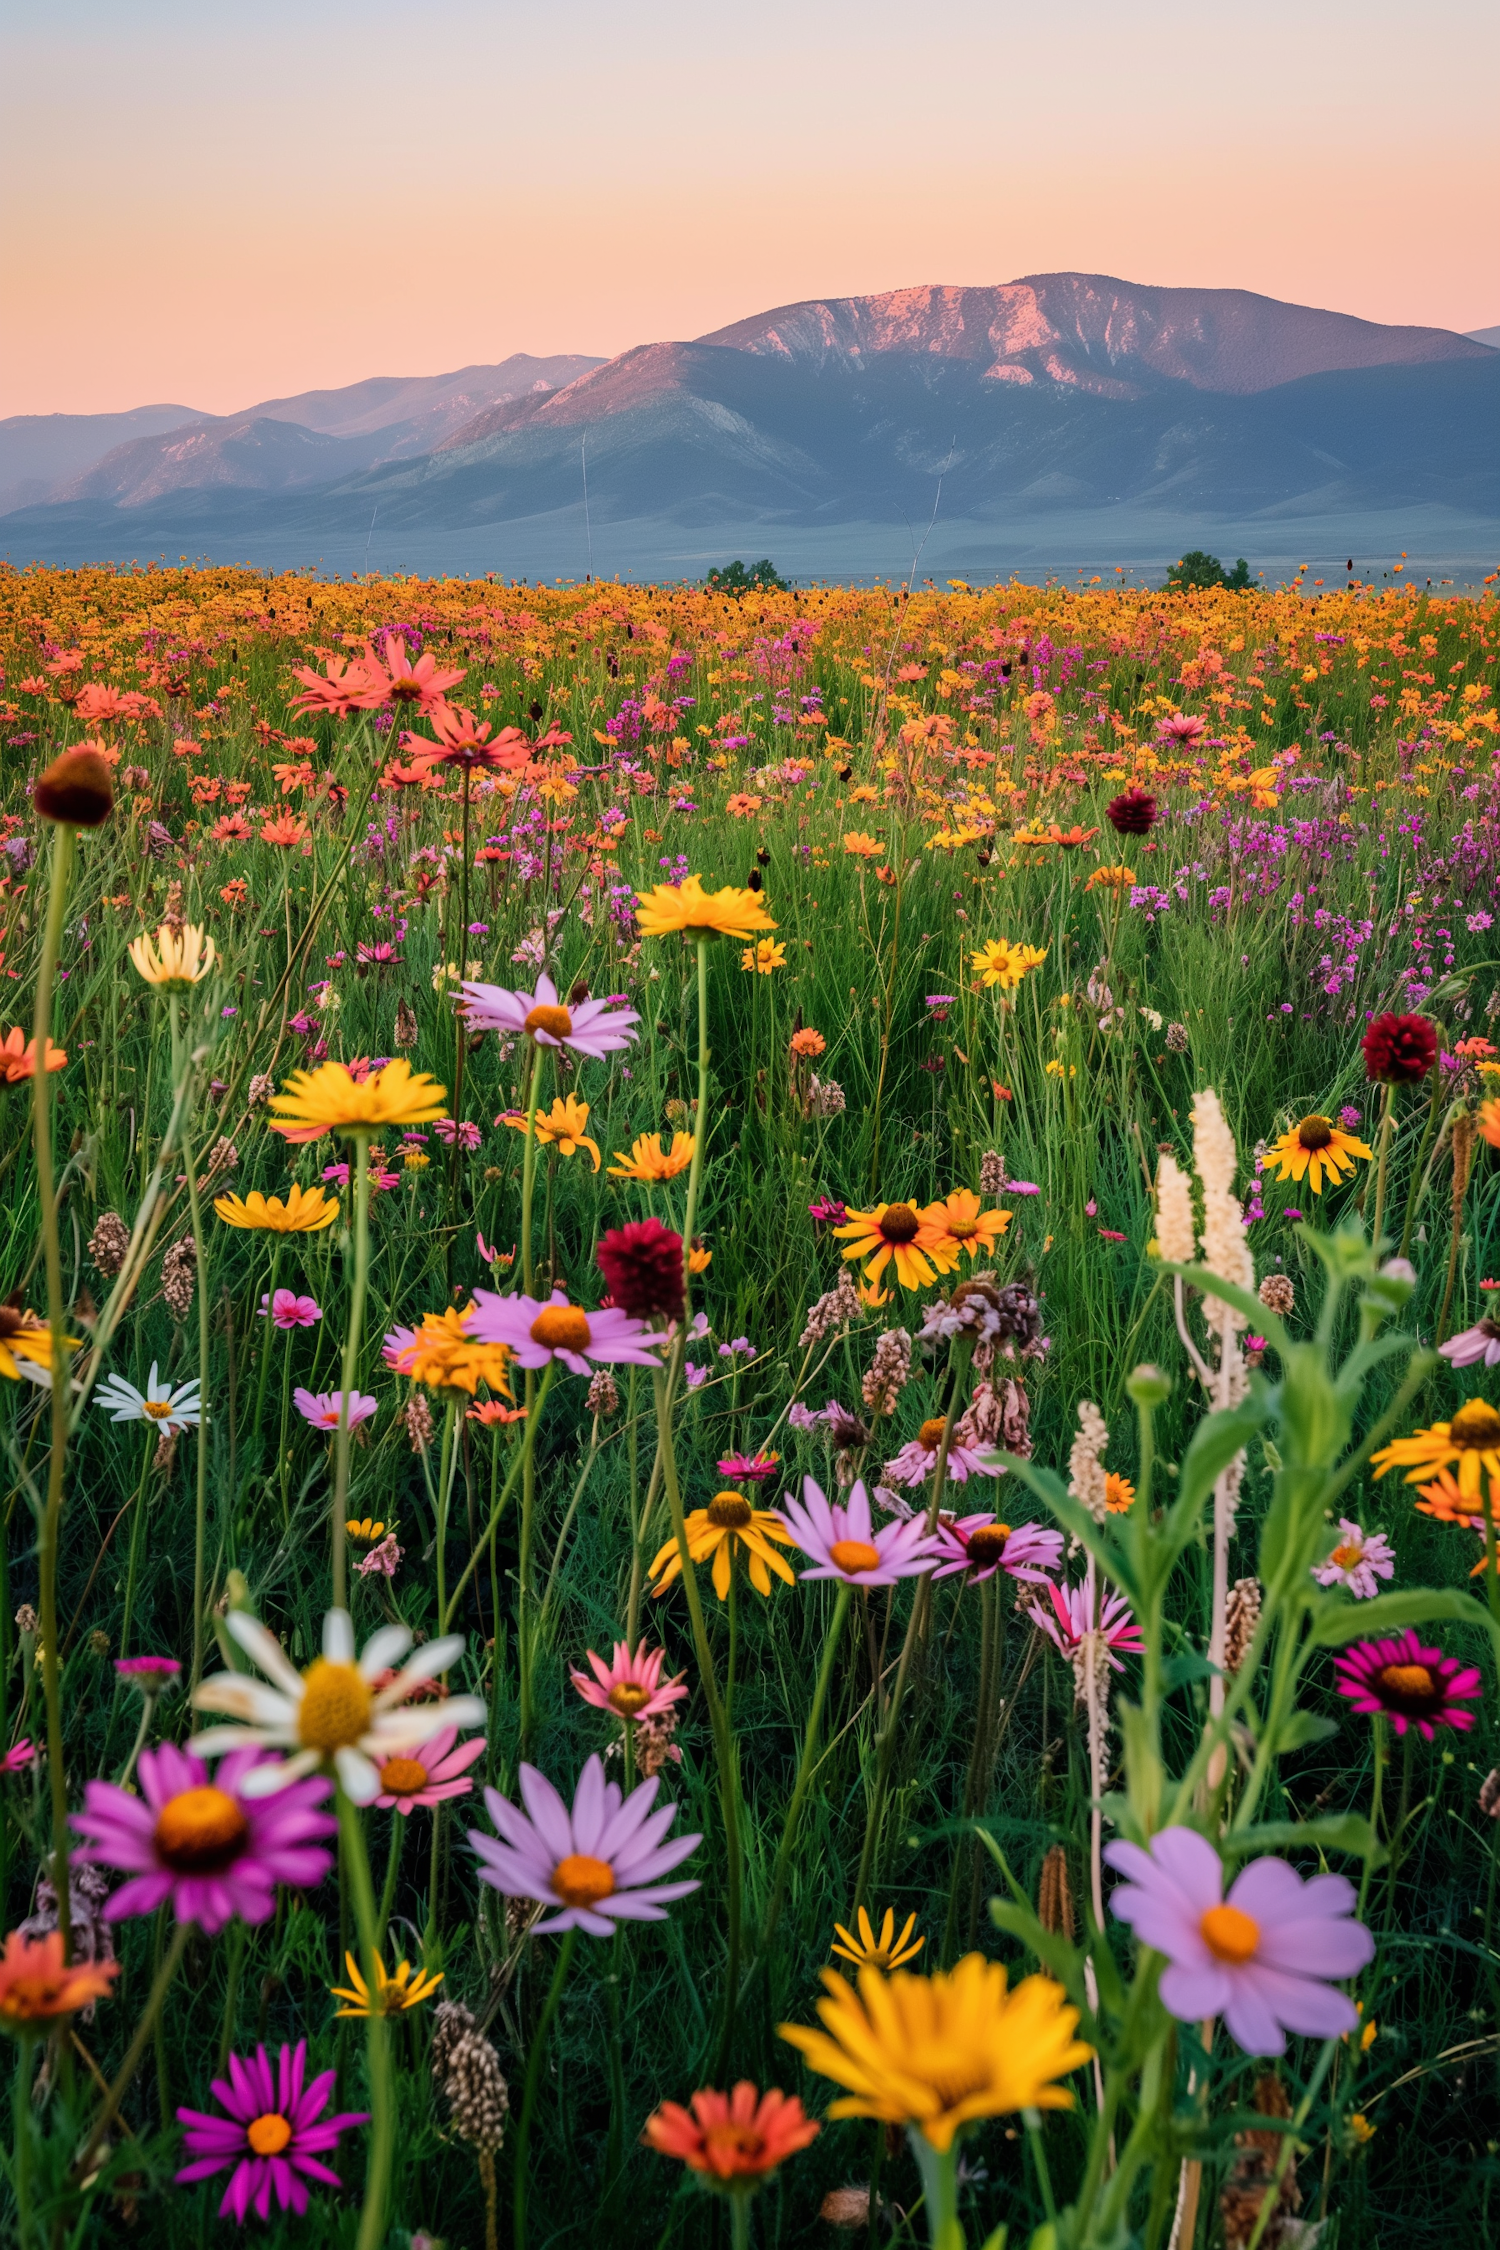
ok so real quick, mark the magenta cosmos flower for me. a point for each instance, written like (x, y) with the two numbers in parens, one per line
(322, 1408)
(1410, 1685)
(288, 1310)
(841, 1541)
(980, 1545)
(630, 1686)
(1077, 1611)
(212, 1851)
(1359, 1561)
(591, 1027)
(1259, 1957)
(537, 1332)
(275, 2130)
(598, 1864)
(428, 1773)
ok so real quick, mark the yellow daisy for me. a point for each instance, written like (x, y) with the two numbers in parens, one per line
(726, 1523)
(886, 1952)
(1471, 1441)
(648, 1160)
(688, 907)
(1315, 1146)
(305, 1211)
(1000, 962)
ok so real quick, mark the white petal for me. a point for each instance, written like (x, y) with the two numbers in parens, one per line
(383, 1649)
(338, 1637)
(264, 1649)
(359, 1778)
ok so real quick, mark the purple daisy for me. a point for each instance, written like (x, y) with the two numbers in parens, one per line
(1410, 1685)
(1259, 1957)
(537, 1331)
(214, 1852)
(1476, 1344)
(981, 1546)
(271, 2134)
(589, 1027)
(598, 1864)
(841, 1542)
(322, 1408)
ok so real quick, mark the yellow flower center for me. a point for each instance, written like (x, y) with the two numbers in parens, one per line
(335, 1709)
(987, 1544)
(157, 1408)
(1314, 1133)
(1346, 1556)
(200, 1831)
(581, 1880)
(854, 1555)
(627, 1698)
(1475, 1428)
(729, 1511)
(268, 2135)
(1230, 1934)
(403, 1777)
(561, 1328)
(900, 1223)
(556, 1021)
(930, 1435)
(1412, 1683)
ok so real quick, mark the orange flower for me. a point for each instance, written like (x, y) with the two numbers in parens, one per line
(738, 2136)
(18, 1057)
(36, 1985)
(284, 831)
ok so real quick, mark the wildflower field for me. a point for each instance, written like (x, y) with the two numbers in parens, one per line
(751, 1429)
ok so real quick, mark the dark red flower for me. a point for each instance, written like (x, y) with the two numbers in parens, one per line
(642, 1263)
(1399, 1050)
(1132, 813)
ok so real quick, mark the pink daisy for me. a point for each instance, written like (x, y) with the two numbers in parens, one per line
(1410, 1685)
(536, 1332)
(214, 1852)
(322, 1408)
(589, 1027)
(1259, 1957)
(981, 1546)
(598, 1864)
(1074, 1616)
(271, 2135)
(841, 1541)
(429, 1773)
(631, 1686)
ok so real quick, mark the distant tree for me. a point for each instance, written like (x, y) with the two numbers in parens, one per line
(1200, 569)
(761, 577)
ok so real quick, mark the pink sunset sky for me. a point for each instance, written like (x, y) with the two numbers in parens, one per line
(211, 205)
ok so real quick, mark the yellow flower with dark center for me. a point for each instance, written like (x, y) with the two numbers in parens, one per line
(935, 2052)
(177, 961)
(648, 1160)
(965, 1226)
(404, 1988)
(331, 1099)
(1314, 1146)
(1470, 1442)
(561, 1127)
(727, 1523)
(899, 1232)
(1000, 962)
(443, 1355)
(688, 907)
(762, 958)
(886, 1952)
(24, 1337)
(305, 1211)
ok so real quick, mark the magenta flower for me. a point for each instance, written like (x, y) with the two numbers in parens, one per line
(151, 1674)
(323, 1408)
(288, 1310)
(271, 2135)
(1476, 1344)
(841, 1541)
(1359, 1561)
(537, 1331)
(981, 1546)
(1258, 1958)
(597, 1864)
(21, 1754)
(429, 1773)
(917, 1459)
(1077, 1612)
(630, 1686)
(214, 1852)
(589, 1027)
(1410, 1685)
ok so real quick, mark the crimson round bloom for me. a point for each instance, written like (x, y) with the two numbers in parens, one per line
(642, 1263)
(275, 2131)
(737, 2136)
(1410, 1685)
(1399, 1050)
(1131, 813)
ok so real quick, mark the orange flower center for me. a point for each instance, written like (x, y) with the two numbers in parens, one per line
(1230, 1934)
(729, 1511)
(930, 1435)
(1475, 1428)
(854, 1555)
(561, 1328)
(1345, 1557)
(1412, 1683)
(581, 1880)
(627, 1696)
(900, 1223)
(556, 1021)
(200, 1831)
(1314, 1133)
(987, 1544)
(268, 2135)
(403, 1777)
(335, 1709)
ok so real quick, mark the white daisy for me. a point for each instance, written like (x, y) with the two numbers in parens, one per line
(332, 1715)
(159, 1403)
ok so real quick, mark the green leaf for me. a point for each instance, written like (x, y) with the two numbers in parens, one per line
(1334, 1832)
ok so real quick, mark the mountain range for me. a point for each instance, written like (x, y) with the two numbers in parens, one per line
(1068, 405)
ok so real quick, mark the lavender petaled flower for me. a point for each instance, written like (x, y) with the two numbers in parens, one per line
(211, 1850)
(275, 2130)
(1359, 1560)
(1481, 1342)
(591, 1027)
(980, 1546)
(323, 1408)
(538, 1330)
(841, 1542)
(597, 1864)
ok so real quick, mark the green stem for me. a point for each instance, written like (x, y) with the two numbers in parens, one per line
(805, 1763)
(533, 2080)
(135, 2050)
(351, 1365)
(372, 2224)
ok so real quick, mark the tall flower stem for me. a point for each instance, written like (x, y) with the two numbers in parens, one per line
(533, 2080)
(351, 1366)
(1382, 1155)
(182, 1065)
(51, 1523)
(372, 2224)
(831, 1646)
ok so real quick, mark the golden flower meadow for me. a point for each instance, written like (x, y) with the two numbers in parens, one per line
(1027, 1024)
